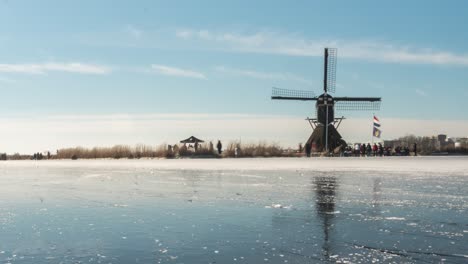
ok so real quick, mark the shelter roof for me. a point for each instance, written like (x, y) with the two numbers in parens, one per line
(192, 140)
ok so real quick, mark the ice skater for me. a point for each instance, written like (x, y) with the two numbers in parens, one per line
(219, 146)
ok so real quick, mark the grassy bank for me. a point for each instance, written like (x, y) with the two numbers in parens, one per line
(205, 150)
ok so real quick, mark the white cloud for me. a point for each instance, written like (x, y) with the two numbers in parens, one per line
(177, 72)
(185, 34)
(133, 31)
(43, 68)
(421, 92)
(53, 132)
(294, 45)
(263, 75)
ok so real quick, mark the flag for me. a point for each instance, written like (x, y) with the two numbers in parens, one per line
(377, 132)
(376, 122)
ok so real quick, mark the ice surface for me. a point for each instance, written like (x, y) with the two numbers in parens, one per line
(344, 210)
(420, 164)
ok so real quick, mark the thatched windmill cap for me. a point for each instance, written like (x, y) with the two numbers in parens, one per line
(192, 140)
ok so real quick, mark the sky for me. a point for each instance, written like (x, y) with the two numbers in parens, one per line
(126, 72)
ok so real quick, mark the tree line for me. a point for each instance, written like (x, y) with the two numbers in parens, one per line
(233, 149)
(425, 146)
(429, 145)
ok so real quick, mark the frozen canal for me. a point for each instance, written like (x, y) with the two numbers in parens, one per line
(390, 210)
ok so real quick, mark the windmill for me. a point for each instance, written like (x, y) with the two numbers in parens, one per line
(325, 135)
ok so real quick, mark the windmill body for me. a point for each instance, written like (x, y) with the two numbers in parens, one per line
(325, 109)
(325, 136)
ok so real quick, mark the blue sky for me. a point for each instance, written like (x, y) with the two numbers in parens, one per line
(87, 58)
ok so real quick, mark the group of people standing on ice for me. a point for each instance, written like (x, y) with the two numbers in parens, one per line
(377, 149)
(363, 150)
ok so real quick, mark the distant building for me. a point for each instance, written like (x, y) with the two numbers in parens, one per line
(429, 144)
(442, 139)
(461, 142)
(445, 142)
(450, 143)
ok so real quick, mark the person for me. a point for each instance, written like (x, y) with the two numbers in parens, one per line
(183, 150)
(170, 152)
(363, 149)
(415, 149)
(175, 149)
(368, 149)
(349, 151)
(211, 149)
(357, 149)
(381, 150)
(307, 149)
(388, 151)
(219, 146)
(406, 151)
(374, 149)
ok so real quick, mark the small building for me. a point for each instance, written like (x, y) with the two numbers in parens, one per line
(192, 140)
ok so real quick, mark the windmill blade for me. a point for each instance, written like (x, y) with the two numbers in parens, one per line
(358, 99)
(331, 69)
(286, 94)
(357, 106)
(357, 103)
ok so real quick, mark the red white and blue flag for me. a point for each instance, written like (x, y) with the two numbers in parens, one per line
(376, 131)
(376, 122)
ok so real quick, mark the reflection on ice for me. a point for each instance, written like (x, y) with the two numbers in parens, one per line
(127, 212)
(325, 201)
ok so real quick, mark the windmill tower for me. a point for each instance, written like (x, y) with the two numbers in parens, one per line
(325, 136)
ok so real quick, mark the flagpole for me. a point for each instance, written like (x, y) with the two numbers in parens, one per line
(372, 136)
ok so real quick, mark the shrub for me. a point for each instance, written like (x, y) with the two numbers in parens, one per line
(261, 149)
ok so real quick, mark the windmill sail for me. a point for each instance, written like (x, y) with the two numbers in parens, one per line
(357, 104)
(330, 70)
(286, 94)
